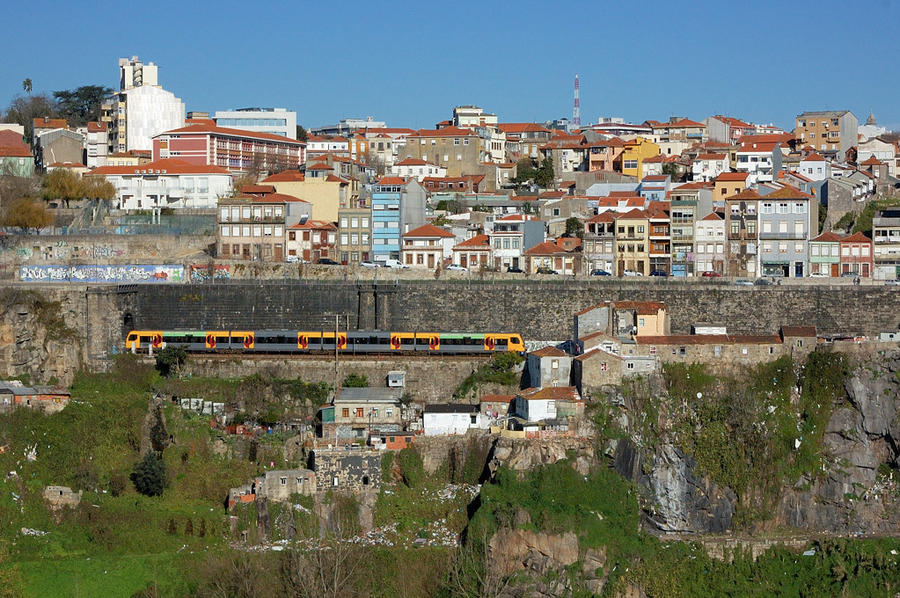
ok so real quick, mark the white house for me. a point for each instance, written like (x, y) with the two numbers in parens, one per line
(760, 159)
(441, 420)
(168, 183)
(707, 167)
(414, 167)
(427, 246)
(552, 402)
(815, 167)
(709, 244)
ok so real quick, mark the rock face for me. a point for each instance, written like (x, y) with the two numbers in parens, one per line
(859, 438)
(681, 500)
(35, 340)
(522, 455)
(541, 560)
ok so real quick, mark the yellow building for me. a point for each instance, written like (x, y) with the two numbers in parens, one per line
(633, 155)
(633, 244)
(326, 194)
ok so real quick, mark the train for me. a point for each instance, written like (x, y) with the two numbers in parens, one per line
(322, 341)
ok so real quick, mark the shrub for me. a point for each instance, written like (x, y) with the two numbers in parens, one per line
(149, 475)
(355, 381)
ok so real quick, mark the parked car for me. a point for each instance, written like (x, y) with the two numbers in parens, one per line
(763, 282)
(598, 272)
(710, 274)
(456, 268)
(327, 262)
(820, 275)
(893, 283)
(545, 270)
(631, 273)
(661, 273)
(368, 265)
(515, 270)
(743, 282)
(292, 259)
(849, 275)
(394, 264)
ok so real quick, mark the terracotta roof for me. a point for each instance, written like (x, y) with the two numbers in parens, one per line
(96, 127)
(391, 180)
(476, 242)
(734, 122)
(548, 352)
(759, 146)
(708, 339)
(285, 176)
(336, 179)
(871, 161)
(797, 175)
(683, 123)
(429, 230)
(445, 132)
(788, 192)
(798, 331)
(545, 248)
(635, 213)
(745, 194)
(694, 185)
(813, 157)
(49, 123)
(656, 178)
(515, 218)
(712, 217)
(601, 217)
(732, 176)
(67, 165)
(273, 198)
(15, 151)
(856, 237)
(827, 237)
(522, 128)
(654, 159)
(254, 189)
(643, 308)
(169, 165)
(411, 162)
(319, 166)
(623, 194)
(551, 194)
(711, 156)
(223, 131)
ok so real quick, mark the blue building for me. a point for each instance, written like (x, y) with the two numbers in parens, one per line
(398, 206)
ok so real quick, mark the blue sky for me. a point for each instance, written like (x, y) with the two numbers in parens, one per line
(409, 63)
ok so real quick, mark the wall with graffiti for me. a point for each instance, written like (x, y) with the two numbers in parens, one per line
(103, 274)
(206, 272)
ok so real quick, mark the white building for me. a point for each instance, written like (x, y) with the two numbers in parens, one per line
(166, 183)
(535, 405)
(707, 167)
(761, 160)
(277, 121)
(414, 167)
(709, 245)
(451, 419)
(96, 142)
(427, 246)
(815, 167)
(323, 145)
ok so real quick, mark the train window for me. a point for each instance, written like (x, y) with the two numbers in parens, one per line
(407, 341)
(422, 341)
(502, 341)
(517, 339)
(146, 339)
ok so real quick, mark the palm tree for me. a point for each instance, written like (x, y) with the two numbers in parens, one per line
(26, 85)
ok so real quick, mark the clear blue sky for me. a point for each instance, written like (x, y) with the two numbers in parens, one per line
(409, 63)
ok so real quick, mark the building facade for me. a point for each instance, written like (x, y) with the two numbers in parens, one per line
(166, 184)
(830, 132)
(275, 121)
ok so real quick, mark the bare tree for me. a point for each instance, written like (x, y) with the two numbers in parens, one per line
(473, 575)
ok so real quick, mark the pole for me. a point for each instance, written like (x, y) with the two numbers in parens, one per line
(336, 317)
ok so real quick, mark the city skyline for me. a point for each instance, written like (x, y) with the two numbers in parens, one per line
(409, 65)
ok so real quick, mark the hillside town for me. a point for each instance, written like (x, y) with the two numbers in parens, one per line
(675, 197)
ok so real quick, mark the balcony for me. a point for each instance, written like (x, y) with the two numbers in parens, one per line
(783, 236)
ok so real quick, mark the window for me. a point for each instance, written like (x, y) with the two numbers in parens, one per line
(345, 412)
(226, 231)
(751, 227)
(629, 365)
(283, 481)
(359, 412)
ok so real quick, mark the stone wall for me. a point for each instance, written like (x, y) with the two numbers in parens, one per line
(343, 470)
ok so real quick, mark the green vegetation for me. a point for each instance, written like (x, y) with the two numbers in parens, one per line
(756, 435)
(355, 381)
(575, 227)
(543, 175)
(149, 475)
(500, 370)
(863, 222)
(170, 360)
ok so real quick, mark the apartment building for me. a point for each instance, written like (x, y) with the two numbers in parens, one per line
(633, 243)
(398, 206)
(709, 244)
(830, 132)
(275, 121)
(742, 234)
(787, 219)
(886, 240)
(458, 150)
(355, 233)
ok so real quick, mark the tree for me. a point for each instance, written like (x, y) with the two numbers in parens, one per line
(61, 183)
(545, 175)
(26, 85)
(23, 110)
(574, 226)
(170, 359)
(81, 105)
(355, 381)
(301, 133)
(525, 171)
(149, 475)
(27, 214)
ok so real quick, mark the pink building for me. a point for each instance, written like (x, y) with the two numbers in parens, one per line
(856, 255)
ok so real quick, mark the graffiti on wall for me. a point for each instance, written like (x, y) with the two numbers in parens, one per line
(109, 274)
(206, 272)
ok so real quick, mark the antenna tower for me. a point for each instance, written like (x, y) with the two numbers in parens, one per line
(576, 110)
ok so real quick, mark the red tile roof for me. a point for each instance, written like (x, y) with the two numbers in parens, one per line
(788, 192)
(712, 217)
(807, 331)
(391, 180)
(827, 237)
(429, 231)
(870, 161)
(711, 156)
(745, 194)
(273, 198)
(813, 157)
(643, 308)
(552, 393)
(169, 165)
(522, 128)
(548, 352)
(226, 132)
(319, 166)
(411, 162)
(476, 242)
(683, 123)
(654, 159)
(496, 398)
(96, 127)
(286, 176)
(635, 213)
(545, 248)
(49, 123)
(602, 217)
(856, 237)
(314, 225)
(732, 176)
(445, 132)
